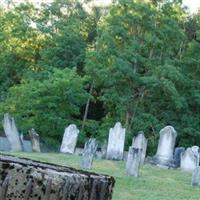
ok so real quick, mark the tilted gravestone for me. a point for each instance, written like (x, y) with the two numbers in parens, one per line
(69, 139)
(89, 153)
(12, 133)
(165, 150)
(177, 156)
(140, 142)
(115, 149)
(30, 180)
(35, 140)
(133, 161)
(190, 159)
(196, 177)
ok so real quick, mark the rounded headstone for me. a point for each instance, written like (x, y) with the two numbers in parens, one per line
(69, 139)
(165, 150)
(116, 140)
(140, 142)
(189, 159)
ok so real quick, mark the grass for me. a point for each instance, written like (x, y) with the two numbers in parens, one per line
(153, 184)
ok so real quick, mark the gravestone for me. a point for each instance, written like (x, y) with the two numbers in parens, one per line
(115, 149)
(104, 150)
(196, 177)
(35, 140)
(12, 133)
(165, 150)
(5, 145)
(195, 149)
(140, 142)
(24, 179)
(133, 161)
(21, 137)
(89, 153)
(189, 160)
(177, 156)
(69, 139)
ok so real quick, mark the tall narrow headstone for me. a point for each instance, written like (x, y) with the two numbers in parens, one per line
(12, 133)
(140, 142)
(35, 140)
(88, 154)
(177, 156)
(189, 159)
(165, 150)
(196, 177)
(104, 150)
(133, 161)
(69, 139)
(115, 149)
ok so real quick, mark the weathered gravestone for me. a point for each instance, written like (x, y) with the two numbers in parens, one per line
(196, 177)
(177, 156)
(164, 155)
(104, 150)
(26, 144)
(189, 159)
(12, 133)
(115, 149)
(89, 153)
(30, 180)
(133, 161)
(140, 142)
(69, 139)
(195, 149)
(35, 140)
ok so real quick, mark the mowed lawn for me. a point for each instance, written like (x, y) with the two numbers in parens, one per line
(153, 184)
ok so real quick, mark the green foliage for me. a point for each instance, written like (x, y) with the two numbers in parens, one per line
(47, 105)
(136, 62)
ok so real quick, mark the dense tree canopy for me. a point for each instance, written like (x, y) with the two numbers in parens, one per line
(137, 62)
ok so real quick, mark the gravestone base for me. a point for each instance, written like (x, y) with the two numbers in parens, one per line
(162, 162)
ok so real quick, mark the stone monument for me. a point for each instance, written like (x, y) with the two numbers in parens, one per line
(196, 177)
(69, 139)
(89, 153)
(189, 159)
(133, 161)
(35, 140)
(177, 156)
(115, 149)
(165, 150)
(104, 150)
(12, 133)
(140, 142)
(25, 179)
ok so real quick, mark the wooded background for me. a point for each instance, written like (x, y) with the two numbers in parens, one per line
(137, 62)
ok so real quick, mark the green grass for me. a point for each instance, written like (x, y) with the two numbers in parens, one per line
(153, 184)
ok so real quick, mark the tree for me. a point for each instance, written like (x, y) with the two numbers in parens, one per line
(48, 105)
(135, 65)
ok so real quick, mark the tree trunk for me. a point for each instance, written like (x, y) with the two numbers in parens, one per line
(127, 120)
(136, 106)
(87, 108)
